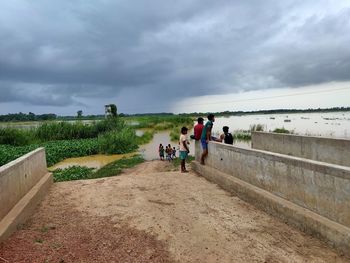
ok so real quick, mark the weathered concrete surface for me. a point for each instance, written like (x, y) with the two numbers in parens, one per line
(18, 177)
(23, 183)
(25, 207)
(329, 150)
(193, 219)
(320, 187)
(334, 234)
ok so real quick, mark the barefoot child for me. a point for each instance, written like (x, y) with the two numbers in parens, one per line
(184, 151)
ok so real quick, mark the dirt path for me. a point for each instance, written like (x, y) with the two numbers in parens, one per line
(150, 215)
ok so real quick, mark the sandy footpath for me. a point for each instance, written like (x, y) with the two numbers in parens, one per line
(152, 214)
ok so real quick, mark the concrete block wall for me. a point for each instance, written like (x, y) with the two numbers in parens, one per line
(330, 150)
(320, 187)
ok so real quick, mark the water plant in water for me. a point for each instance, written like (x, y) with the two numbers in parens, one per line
(281, 130)
(81, 172)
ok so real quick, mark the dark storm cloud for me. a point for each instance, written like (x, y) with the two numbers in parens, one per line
(60, 53)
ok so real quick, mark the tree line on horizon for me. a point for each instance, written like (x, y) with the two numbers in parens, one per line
(51, 116)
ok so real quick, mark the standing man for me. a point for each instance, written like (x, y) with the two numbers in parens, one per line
(184, 151)
(198, 129)
(206, 136)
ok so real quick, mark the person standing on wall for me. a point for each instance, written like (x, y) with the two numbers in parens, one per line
(226, 136)
(198, 128)
(206, 136)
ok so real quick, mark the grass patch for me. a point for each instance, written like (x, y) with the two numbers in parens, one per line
(282, 130)
(81, 172)
(72, 173)
(117, 167)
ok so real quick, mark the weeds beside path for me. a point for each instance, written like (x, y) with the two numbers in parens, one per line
(153, 214)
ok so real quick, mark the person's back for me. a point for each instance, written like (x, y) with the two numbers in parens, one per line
(228, 138)
(198, 129)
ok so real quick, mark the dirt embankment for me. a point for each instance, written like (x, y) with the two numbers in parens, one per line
(153, 214)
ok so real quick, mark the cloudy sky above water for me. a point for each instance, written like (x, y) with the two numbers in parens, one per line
(179, 56)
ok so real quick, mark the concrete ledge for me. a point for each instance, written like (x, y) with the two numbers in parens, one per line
(25, 207)
(335, 234)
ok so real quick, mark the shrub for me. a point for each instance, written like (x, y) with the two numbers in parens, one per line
(16, 137)
(256, 127)
(281, 130)
(123, 141)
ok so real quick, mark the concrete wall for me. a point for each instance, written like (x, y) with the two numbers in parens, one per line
(18, 177)
(23, 184)
(330, 150)
(323, 188)
(313, 196)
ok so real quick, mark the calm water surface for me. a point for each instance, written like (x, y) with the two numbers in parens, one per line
(335, 124)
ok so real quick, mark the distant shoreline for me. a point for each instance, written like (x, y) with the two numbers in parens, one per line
(21, 117)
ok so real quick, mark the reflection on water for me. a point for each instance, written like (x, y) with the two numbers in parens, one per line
(93, 161)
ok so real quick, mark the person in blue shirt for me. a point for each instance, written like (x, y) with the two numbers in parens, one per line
(206, 136)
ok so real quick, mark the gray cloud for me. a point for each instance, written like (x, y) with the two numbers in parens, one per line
(154, 53)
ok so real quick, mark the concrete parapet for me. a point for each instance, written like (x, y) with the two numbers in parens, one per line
(314, 196)
(336, 235)
(329, 150)
(23, 182)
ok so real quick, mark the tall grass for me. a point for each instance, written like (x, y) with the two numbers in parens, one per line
(123, 141)
(77, 130)
(16, 137)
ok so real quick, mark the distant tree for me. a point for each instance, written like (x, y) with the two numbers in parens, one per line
(79, 114)
(113, 110)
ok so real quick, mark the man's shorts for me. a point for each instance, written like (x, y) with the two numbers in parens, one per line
(204, 144)
(183, 155)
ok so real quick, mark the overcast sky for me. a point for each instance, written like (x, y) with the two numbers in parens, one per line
(184, 55)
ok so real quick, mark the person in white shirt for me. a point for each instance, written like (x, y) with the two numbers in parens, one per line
(184, 151)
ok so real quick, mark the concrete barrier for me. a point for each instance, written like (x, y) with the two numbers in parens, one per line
(313, 196)
(329, 150)
(23, 182)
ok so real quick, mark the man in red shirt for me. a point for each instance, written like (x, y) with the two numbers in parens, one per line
(198, 129)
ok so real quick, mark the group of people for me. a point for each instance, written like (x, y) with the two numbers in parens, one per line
(169, 152)
(202, 133)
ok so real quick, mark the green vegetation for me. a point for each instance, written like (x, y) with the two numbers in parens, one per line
(116, 167)
(118, 141)
(146, 137)
(72, 173)
(111, 169)
(56, 151)
(65, 140)
(256, 127)
(174, 123)
(242, 136)
(281, 130)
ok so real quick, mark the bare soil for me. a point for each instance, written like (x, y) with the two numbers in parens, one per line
(153, 214)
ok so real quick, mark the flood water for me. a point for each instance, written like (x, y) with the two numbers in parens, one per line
(336, 124)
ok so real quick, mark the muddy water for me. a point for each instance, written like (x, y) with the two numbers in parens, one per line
(148, 151)
(93, 161)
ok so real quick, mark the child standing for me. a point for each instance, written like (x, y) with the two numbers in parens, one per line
(161, 152)
(184, 151)
(174, 152)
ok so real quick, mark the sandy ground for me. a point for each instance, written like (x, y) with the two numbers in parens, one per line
(152, 214)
